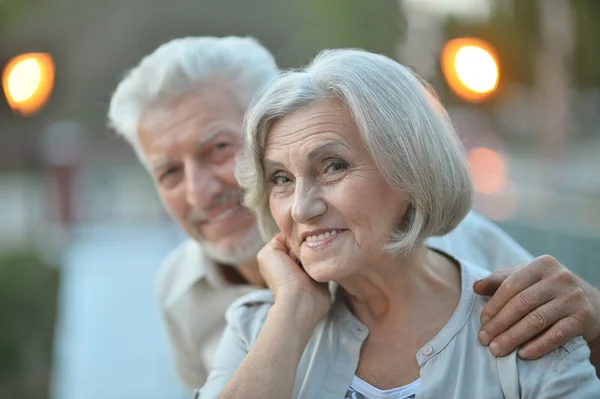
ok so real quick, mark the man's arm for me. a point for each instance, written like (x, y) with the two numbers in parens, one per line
(539, 306)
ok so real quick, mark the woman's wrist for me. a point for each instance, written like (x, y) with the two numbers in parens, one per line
(299, 309)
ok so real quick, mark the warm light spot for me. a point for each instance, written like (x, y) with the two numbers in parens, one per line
(24, 80)
(488, 170)
(471, 68)
(28, 81)
(476, 68)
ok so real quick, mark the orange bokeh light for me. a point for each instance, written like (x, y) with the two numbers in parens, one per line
(470, 67)
(28, 81)
(488, 170)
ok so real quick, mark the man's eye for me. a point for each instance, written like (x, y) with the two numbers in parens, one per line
(222, 145)
(168, 172)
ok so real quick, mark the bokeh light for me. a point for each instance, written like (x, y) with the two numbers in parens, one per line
(471, 68)
(477, 69)
(488, 170)
(28, 81)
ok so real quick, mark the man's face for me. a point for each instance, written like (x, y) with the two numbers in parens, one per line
(190, 145)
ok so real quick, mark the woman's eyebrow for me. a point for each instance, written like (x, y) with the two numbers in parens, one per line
(325, 147)
(268, 164)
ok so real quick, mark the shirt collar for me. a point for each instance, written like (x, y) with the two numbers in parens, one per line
(189, 265)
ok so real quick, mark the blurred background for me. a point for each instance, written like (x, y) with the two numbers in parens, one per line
(82, 231)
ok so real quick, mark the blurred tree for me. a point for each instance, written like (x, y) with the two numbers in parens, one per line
(28, 294)
(586, 66)
(10, 9)
(377, 26)
(513, 29)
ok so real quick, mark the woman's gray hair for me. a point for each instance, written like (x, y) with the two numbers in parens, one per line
(405, 129)
(183, 65)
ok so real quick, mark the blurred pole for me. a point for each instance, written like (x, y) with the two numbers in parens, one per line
(62, 148)
(420, 47)
(553, 86)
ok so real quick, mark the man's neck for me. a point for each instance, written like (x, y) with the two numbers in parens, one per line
(244, 273)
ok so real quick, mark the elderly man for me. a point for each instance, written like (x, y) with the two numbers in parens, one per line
(182, 110)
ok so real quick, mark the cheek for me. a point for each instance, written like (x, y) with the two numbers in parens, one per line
(226, 172)
(281, 212)
(175, 202)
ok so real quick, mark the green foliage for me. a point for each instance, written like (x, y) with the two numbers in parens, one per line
(28, 293)
(377, 26)
(10, 9)
(586, 65)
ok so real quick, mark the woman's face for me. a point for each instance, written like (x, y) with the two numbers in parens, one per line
(325, 193)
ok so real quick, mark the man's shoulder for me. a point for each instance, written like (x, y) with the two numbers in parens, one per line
(480, 241)
(179, 270)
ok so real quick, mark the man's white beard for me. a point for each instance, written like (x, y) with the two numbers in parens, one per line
(239, 252)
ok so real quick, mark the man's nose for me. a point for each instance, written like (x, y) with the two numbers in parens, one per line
(308, 204)
(202, 186)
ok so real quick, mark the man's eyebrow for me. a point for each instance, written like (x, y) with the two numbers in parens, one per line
(211, 136)
(161, 164)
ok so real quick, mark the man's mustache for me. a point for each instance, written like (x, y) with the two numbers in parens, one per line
(201, 215)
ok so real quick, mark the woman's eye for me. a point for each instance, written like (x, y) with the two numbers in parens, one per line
(277, 180)
(336, 166)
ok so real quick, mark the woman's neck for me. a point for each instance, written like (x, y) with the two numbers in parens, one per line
(399, 288)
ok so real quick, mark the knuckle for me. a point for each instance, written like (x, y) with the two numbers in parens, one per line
(559, 336)
(262, 255)
(564, 276)
(548, 261)
(585, 314)
(510, 288)
(576, 295)
(523, 303)
(537, 320)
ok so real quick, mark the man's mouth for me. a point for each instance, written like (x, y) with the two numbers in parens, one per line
(223, 215)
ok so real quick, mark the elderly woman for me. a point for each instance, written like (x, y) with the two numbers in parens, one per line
(351, 165)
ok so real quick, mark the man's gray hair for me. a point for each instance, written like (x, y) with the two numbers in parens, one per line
(183, 65)
(405, 129)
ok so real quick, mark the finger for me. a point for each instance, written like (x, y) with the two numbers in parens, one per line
(279, 242)
(516, 309)
(489, 285)
(529, 327)
(559, 334)
(520, 280)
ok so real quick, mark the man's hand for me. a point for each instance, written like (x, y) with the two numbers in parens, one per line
(539, 306)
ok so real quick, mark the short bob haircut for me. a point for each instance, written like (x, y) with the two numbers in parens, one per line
(405, 129)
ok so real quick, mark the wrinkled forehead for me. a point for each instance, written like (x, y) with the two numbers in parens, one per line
(204, 104)
(322, 122)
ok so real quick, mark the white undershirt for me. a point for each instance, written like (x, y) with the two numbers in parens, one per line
(360, 389)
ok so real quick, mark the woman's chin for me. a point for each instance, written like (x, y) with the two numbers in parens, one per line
(322, 272)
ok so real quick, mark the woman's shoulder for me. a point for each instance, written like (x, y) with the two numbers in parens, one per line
(248, 313)
(563, 372)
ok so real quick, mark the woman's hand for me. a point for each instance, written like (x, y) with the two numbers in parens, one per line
(289, 283)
